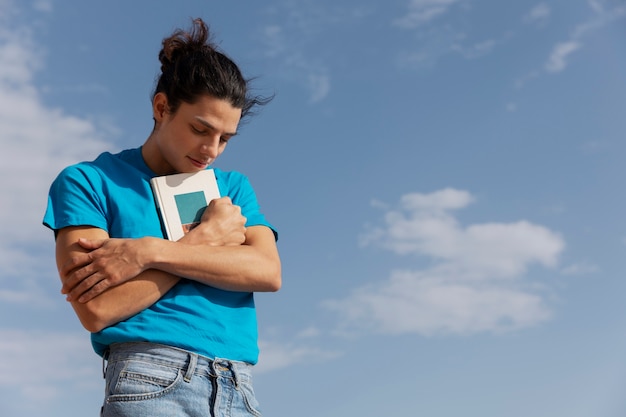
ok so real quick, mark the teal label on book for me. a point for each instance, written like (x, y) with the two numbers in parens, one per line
(190, 208)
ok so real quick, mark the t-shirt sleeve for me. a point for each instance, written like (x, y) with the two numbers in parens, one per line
(243, 195)
(76, 199)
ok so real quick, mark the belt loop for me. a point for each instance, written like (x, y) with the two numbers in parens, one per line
(105, 357)
(235, 371)
(193, 361)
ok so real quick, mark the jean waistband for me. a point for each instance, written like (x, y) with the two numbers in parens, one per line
(189, 362)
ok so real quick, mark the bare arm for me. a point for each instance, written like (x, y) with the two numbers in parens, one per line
(119, 303)
(251, 267)
(212, 254)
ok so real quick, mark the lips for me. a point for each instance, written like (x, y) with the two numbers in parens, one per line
(199, 163)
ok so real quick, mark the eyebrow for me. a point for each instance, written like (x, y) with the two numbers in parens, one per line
(210, 126)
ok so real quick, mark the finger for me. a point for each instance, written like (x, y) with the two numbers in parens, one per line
(83, 286)
(76, 261)
(91, 243)
(226, 199)
(94, 291)
(76, 277)
(222, 200)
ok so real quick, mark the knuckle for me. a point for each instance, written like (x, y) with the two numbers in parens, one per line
(101, 286)
(86, 284)
(72, 262)
(113, 279)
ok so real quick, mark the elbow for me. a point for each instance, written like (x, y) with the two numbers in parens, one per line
(274, 285)
(274, 279)
(268, 278)
(93, 326)
(92, 318)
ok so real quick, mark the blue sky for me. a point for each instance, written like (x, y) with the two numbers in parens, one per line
(444, 176)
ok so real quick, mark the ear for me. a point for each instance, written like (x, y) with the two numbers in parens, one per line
(159, 106)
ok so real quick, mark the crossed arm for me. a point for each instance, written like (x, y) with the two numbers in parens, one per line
(109, 280)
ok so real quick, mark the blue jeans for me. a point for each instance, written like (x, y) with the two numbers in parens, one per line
(151, 380)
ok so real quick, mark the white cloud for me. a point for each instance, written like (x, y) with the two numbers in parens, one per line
(538, 14)
(437, 41)
(429, 303)
(477, 279)
(294, 31)
(41, 364)
(423, 11)
(581, 268)
(319, 86)
(37, 142)
(309, 332)
(438, 201)
(558, 58)
(280, 43)
(476, 50)
(43, 5)
(424, 226)
(274, 40)
(557, 61)
(601, 18)
(274, 356)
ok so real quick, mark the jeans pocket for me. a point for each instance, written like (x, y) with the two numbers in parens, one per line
(134, 380)
(249, 399)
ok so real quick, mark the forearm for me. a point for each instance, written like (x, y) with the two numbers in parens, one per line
(251, 267)
(231, 268)
(109, 280)
(119, 302)
(125, 300)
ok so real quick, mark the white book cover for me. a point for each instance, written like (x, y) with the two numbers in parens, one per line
(182, 198)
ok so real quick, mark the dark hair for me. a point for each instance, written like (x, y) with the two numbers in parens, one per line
(192, 66)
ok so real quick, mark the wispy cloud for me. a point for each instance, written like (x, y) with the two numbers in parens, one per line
(291, 35)
(275, 356)
(287, 43)
(477, 281)
(319, 86)
(477, 49)
(581, 268)
(443, 38)
(423, 11)
(602, 17)
(558, 58)
(38, 141)
(538, 14)
(26, 365)
(43, 5)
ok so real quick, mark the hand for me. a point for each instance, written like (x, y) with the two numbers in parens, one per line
(221, 225)
(108, 263)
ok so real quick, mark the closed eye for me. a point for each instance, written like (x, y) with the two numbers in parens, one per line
(198, 131)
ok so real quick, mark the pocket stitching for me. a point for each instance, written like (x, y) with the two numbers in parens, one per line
(146, 396)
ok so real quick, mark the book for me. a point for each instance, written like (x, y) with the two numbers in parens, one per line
(182, 198)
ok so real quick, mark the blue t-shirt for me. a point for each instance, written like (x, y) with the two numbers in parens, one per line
(113, 193)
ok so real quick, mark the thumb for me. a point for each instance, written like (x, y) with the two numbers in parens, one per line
(90, 243)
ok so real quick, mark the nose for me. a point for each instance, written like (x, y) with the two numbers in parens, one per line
(211, 147)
